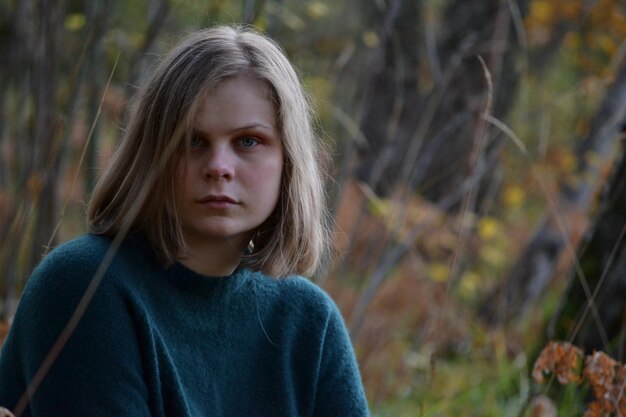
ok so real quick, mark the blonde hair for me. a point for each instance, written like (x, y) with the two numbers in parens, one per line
(296, 237)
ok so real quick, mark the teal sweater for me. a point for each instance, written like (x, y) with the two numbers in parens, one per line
(170, 342)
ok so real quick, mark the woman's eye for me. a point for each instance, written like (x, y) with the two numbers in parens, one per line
(195, 142)
(248, 142)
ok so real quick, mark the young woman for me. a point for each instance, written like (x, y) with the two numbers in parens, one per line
(186, 298)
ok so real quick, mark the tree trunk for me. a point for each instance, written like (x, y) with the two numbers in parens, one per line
(593, 309)
(408, 121)
(48, 147)
(535, 268)
(391, 94)
(407, 129)
(452, 134)
(36, 147)
(407, 125)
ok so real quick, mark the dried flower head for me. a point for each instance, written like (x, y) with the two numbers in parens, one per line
(561, 359)
(607, 381)
(605, 375)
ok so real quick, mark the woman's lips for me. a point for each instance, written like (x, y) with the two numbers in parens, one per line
(218, 201)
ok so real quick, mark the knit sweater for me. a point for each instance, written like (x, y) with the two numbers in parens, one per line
(170, 342)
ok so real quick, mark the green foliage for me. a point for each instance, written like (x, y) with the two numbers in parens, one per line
(474, 384)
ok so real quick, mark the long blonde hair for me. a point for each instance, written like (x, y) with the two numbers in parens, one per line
(296, 237)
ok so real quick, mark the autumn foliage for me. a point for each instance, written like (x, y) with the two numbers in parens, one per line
(605, 376)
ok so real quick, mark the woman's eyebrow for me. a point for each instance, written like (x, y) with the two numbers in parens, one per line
(250, 126)
(253, 126)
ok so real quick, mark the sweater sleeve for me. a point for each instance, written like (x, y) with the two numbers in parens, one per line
(99, 370)
(340, 391)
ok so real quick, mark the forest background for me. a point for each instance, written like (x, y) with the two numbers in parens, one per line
(478, 180)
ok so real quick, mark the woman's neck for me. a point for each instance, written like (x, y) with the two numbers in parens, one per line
(213, 259)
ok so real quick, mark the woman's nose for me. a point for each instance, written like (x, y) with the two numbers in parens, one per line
(219, 164)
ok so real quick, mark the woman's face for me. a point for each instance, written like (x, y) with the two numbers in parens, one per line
(231, 180)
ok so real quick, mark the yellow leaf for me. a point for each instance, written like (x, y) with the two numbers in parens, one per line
(488, 227)
(607, 44)
(317, 9)
(290, 19)
(493, 255)
(439, 272)
(376, 205)
(74, 21)
(567, 161)
(470, 282)
(320, 87)
(379, 207)
(513, 196)
(573, 40)
(571, 10)
(370, 39)
(261, 23)
(541, 11)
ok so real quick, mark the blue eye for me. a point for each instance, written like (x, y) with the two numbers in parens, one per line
(248, 142)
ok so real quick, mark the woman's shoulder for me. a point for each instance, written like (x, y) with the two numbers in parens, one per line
(74, 252)
(70, 267)
(83, 247)
(295, 292)
(76, 257)
(86, 253)
(87, 247)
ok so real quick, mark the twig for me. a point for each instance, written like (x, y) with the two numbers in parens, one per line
(82, 156)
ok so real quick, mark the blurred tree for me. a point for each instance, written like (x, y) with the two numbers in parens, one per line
(426, 92)
(457, 150)
(593, 308)
(49, 52)
(535, 267)
(422, 112)
(391, 89)
(31, 174)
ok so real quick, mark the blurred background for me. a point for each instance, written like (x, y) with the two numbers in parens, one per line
(478, 180)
